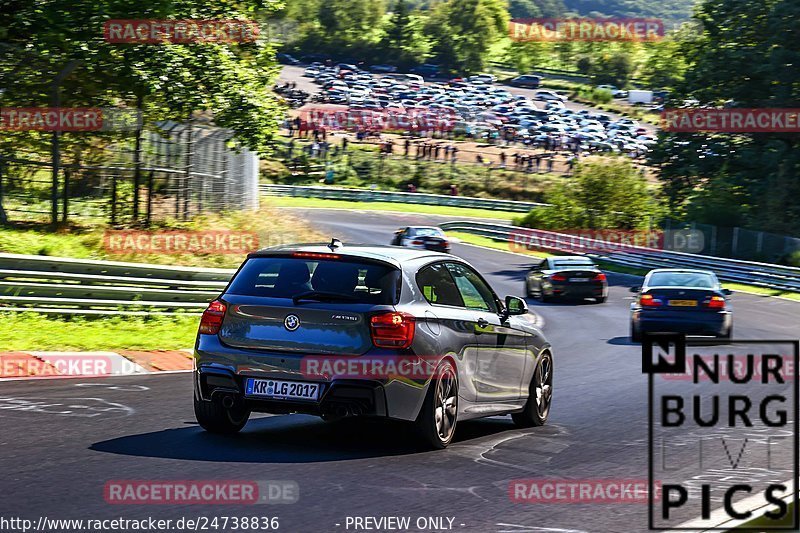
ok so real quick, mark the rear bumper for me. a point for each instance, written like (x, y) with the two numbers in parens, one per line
(689, 323)
(579, 290)
(222, 371)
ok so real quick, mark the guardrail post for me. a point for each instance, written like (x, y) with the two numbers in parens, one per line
(3, 217)
(113, 198)
(137, 161)
(713, 249)
(65, 214)
(149, 214)
(187, 178)
(735, 243)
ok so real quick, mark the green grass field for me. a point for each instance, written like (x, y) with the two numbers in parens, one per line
(455, 212)
(34, 331)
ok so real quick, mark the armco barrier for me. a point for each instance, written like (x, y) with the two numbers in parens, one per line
(759, 274)
(363, 195)
(81, 286)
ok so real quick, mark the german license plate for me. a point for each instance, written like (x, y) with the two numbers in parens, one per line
(283, 390)
(579, 279)
(683, 303)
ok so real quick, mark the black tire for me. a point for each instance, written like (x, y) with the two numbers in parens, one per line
(542, 296)
(727, 334)
(535, 413)
(601, 300)
(428, 428)
(215, 418)
(636, 334)
(528, 291)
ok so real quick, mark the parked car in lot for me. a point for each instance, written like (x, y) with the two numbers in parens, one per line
(614, 90)
(575, 277)
(528, 81)
(549, 95)
(674, 300)
(286, 59)
(424, 237)
(383, 69)
(483, 78)
(477, 355)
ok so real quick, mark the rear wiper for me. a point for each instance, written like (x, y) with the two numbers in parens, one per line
(323, 296)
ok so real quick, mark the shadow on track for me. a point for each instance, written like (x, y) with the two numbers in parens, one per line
(291, 439)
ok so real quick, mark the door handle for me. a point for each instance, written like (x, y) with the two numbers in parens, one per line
(482, 322)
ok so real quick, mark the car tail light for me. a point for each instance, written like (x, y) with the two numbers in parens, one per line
(716, 302)
(212, 318)
(418, 242)
(647, 300)
(392, 330)
(314, 255)
(558, 277)
(600, 277)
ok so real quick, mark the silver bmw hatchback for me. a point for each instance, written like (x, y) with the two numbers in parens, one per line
(370, 331)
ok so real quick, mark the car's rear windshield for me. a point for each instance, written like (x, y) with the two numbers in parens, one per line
(427, 232)
(568, 263)
(287, 277)
(700, 280)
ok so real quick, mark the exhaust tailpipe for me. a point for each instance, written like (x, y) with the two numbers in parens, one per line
(228, 401)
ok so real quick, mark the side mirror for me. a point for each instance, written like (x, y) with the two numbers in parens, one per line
(636, 289)
(727, 292)
(515, 306)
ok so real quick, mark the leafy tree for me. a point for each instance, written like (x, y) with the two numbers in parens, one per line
(463, 31)
(612, 68)
(666, 63)
(524, 9)
(402, 43)
(230, 81)
(743, 56)
(604, 193)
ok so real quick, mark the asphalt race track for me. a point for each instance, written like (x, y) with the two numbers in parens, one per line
(62, 440)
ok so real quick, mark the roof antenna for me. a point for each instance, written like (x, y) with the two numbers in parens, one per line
(335, 243)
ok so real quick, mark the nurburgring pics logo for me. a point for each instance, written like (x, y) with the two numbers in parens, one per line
(151, 31)
(726, 437)
(586, 29)
(766, 120)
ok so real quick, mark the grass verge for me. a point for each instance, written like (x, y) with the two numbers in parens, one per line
(270, 226)
(34, 331)
(286, 201)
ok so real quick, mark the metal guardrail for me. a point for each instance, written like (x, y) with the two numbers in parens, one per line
(363, 195)
(765, 275)
(80, 286)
